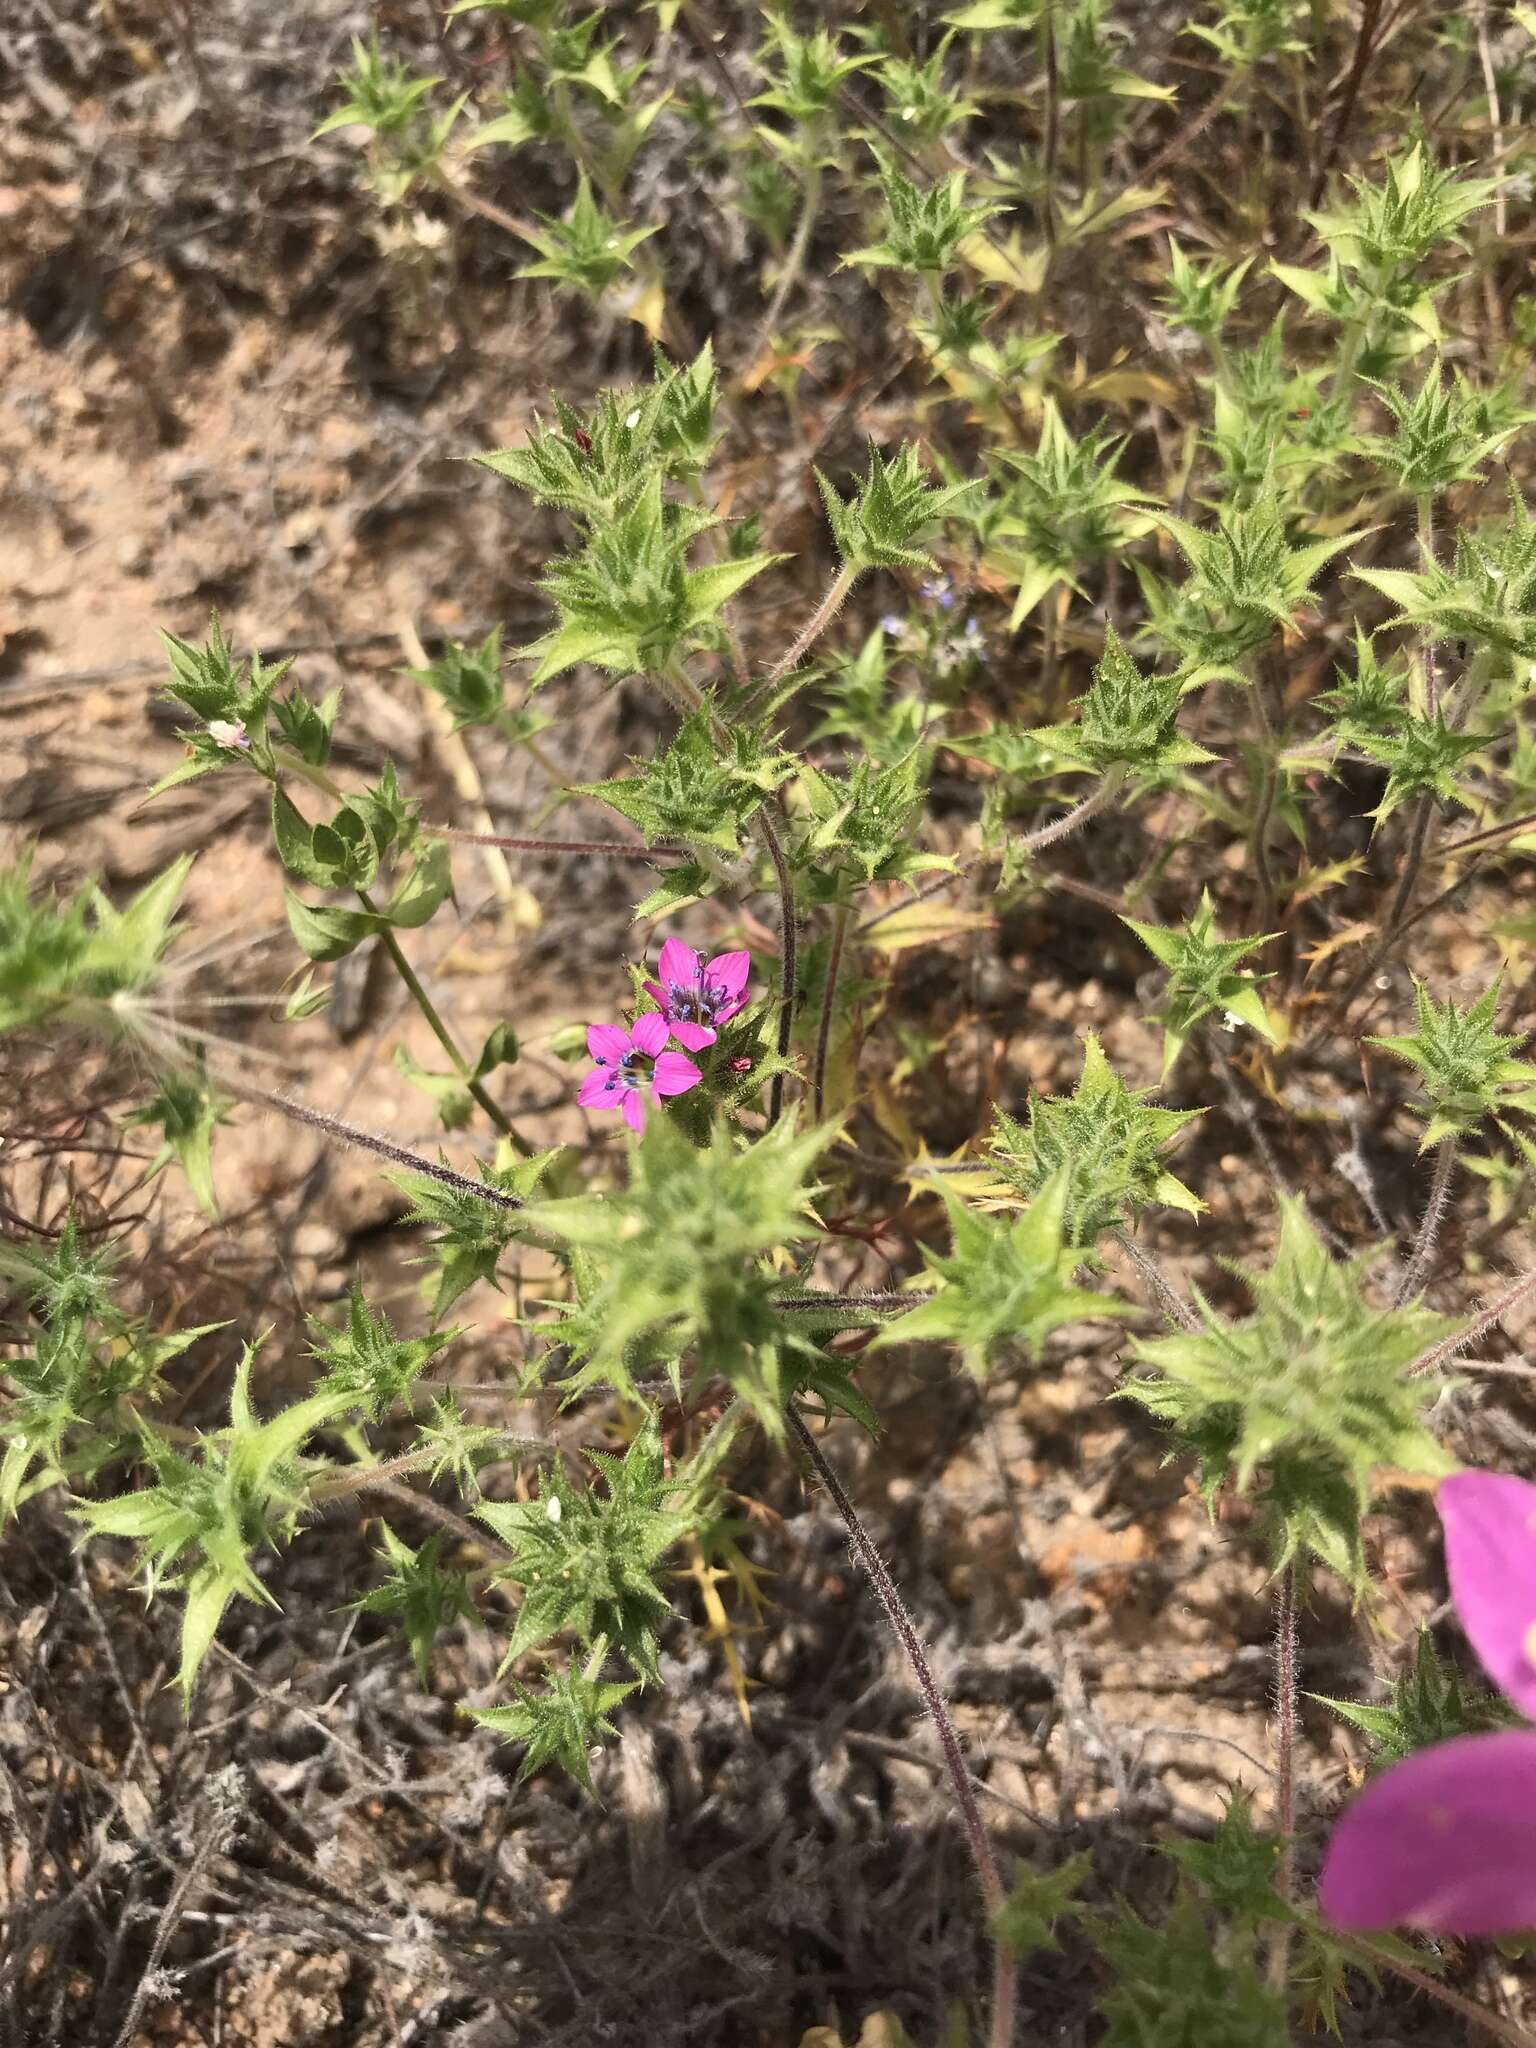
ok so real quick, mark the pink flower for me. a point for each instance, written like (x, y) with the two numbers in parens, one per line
(1490, 1559)
(1446, 1839)
(697, 999)
(629, 1062)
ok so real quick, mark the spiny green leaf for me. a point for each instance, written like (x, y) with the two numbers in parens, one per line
(1107, 1139)
(1007, 1282)
(1303, 1404)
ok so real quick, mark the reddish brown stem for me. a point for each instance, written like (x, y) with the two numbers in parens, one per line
(870, 1562)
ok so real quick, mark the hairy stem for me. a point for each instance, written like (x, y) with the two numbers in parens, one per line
(1285, 1724)
(317, 778)
(1491, 2023)
(1424, 1244)
(1370, 16)
(616, 849)
(1264, 809)
(370, 1141)
(1397, 916)
(874, 1305)
(840, 919)
(929, 888)
(813, 629)
(684, 696)
(871, 1563)
(354, 1478)
(374, 1478)
(890, 1299)
(788, 960)
(1097, 799)
(1485, 1319)
(1051, 144)
(487, 209)
(1285, 1763)
(794, 261)
(468, 1532)
(1413, 860)
(1495, 115)
(1427, 645)
(1171, 1304)
(1448, 849)
(209, 1843)
(444, 1036)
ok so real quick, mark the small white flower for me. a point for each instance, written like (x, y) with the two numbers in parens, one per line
(632, 419)
(552, 1507)
(1230, 1021)
(229, 733)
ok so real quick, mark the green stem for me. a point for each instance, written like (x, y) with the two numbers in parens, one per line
(1221, 362)
(1264, 809)
(684, 696)
(794, 261)
(788, 960)
(295, 764)
(1051, 643)
(1426, 511)
(444, 1036)
(318, 779)
(1051, 143)
(840, 919)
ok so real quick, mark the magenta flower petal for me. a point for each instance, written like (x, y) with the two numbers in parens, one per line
(633, 1111)
(678, 963)
(650, 1032)
(655, 990)
(607, 1042)
(598, 1089)
(1490, 1557)
(728, 973)
(1445, 1840)
(673, 1074)
(694, 1036)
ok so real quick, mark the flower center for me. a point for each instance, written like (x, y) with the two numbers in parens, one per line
(693, 1003)
(634, 1067)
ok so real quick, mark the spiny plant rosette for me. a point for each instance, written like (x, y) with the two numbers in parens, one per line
(1065, 775)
